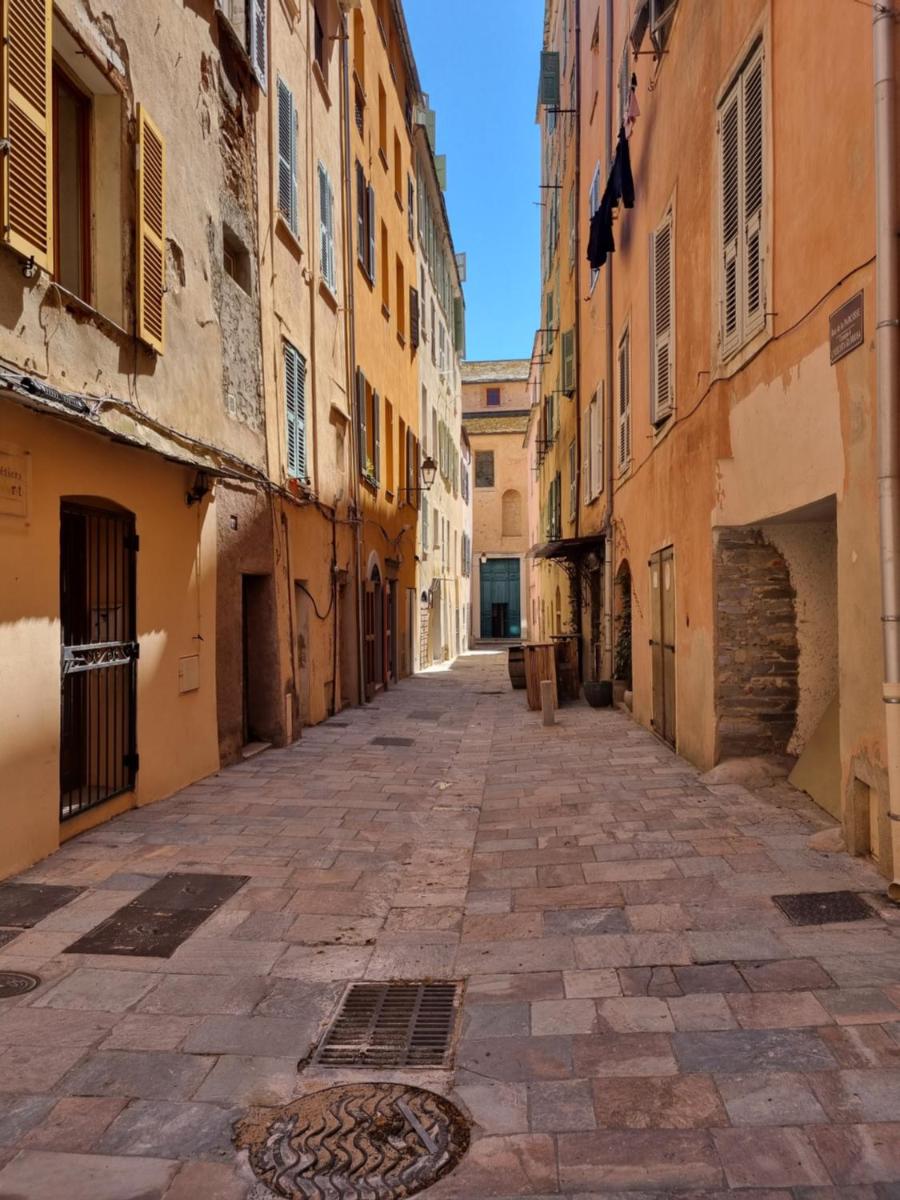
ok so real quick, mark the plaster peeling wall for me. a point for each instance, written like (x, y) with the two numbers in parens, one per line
(810, 551)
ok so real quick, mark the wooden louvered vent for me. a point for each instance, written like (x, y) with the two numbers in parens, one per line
(27, 123)
(151, 233)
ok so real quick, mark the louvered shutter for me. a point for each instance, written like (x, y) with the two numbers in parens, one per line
(661, 298)
(371, 231)
(568, 356)
(624, 405)
(362, 208)
(587, 430)
(326, 228)
(376, 434)
(598, 457)
(27, 121)
(287, 155)
(295, 412)
(256, 39)
(729, 138)
(151, 233)
(361, 419)
(752, 292)
(414, 332)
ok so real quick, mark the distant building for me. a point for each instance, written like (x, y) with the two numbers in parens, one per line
(496, 407)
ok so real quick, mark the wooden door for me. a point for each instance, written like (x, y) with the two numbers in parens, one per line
(662, 641)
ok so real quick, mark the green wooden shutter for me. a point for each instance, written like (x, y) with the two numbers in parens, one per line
(550, 78)
(295, 412)
(287, 155)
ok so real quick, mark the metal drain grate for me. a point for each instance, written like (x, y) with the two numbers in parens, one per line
(397, 1024)
(392, 741)
(16, 983)
(823, 908)
(361, 1141)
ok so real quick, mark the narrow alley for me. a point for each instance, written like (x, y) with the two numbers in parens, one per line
(638, 1015)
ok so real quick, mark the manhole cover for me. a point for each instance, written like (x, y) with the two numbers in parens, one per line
(16, 983)
(397, 1024)
(362, 1141)
(823, 908)
(392, 741)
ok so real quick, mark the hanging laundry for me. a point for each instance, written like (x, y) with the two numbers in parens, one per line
(601, 241)
(633, 110)
(621, 181)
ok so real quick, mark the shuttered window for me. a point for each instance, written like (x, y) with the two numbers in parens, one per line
(295, 412)
(361, 431)
(484, 468)
(568, 362)
(27, 123)
(326, 229)
(623, 372)
(414, 331)
(287, 156)
(151, 226)
(593, 463)
(741, 206)
(573, 480)
(256, 40)
(661, 320)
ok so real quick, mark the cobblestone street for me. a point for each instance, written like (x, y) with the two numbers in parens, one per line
(639, 1016)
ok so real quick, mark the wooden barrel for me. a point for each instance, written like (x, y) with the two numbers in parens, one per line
(540, 664)
(516, 665)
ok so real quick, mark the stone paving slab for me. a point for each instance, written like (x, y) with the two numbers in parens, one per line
(640, 1019)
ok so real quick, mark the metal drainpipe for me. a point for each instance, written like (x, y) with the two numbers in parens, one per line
(579, 483)
(356, 450)
(609, 549)
(887, 352)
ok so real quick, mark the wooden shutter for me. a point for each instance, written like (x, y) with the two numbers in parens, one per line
(295, 412)
(256, 40)
(362, 212)
(573, 480)
(151, 232)
(361, 419)
(568, 365)
(376, 434)
(624, 422)
(371, 232)
(587, 432)
(550, 78)
(414, 331)
(27, 121)
(326, 228)
(287, 155)
(753, 290)
(661, 326)
(729, 139)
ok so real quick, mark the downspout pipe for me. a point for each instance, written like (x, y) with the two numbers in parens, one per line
(579, 448)
(350, 354)
(610, 548)
(887, 357)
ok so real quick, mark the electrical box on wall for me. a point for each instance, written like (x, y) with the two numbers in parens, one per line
(189, 673)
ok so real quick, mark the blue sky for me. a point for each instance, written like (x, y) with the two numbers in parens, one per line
(478, 61)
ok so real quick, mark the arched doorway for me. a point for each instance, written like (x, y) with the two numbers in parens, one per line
(622, 669)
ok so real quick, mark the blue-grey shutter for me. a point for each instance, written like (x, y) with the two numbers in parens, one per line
(361, 419)
(295, 412)
(362, 209)
(287, 155)
(372, 256)
(256, 40)
(550, 78)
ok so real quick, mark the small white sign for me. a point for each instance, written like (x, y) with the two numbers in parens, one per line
(15, 481)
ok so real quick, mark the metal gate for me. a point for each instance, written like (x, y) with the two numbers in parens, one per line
(98, 758)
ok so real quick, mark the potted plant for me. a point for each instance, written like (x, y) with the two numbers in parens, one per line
(598, 692)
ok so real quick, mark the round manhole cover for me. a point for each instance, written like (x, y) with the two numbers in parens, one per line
(16, 983)
(357, 1142)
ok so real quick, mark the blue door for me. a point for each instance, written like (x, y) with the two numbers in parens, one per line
(501, 613)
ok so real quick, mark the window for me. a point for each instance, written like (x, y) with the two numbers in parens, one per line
(741, 207)
(365, 223)
(549, 331)
(368, 418)
(554, 509)
(236, 260)
(71, 181)
(624, 83)
(594, 463)
(256, 39)
(573, 481)
(295, 412)
(382, 123)
(410, 210)
(623, 364)
(568, 362)
(414, 333)
(388, 446)
(661, 12)
(327, 260)
(385, 274)
(359, 48)
(433, 335)
(593, 205)
(484, 468)
(401, 296)
(493, 397)
(661, 315)
(359, 111)
(319, 42)
(287, 156)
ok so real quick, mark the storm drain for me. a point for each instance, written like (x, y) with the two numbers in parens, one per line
(364, 1141)
(392, 741)
(397, 1024)
(16, 983)
(24, 904)
(823, 908)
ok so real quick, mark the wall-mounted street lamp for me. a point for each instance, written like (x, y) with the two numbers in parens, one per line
(428, 471)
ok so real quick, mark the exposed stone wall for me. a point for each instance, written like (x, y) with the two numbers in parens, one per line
(757, 656)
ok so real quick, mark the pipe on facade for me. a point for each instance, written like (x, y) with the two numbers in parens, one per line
(579, 447)
(610, 548)
(350, 354)
(887, 357)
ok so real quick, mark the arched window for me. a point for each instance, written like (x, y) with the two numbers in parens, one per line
(512, 513)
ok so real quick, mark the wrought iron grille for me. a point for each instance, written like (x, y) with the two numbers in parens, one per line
(98, 756)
